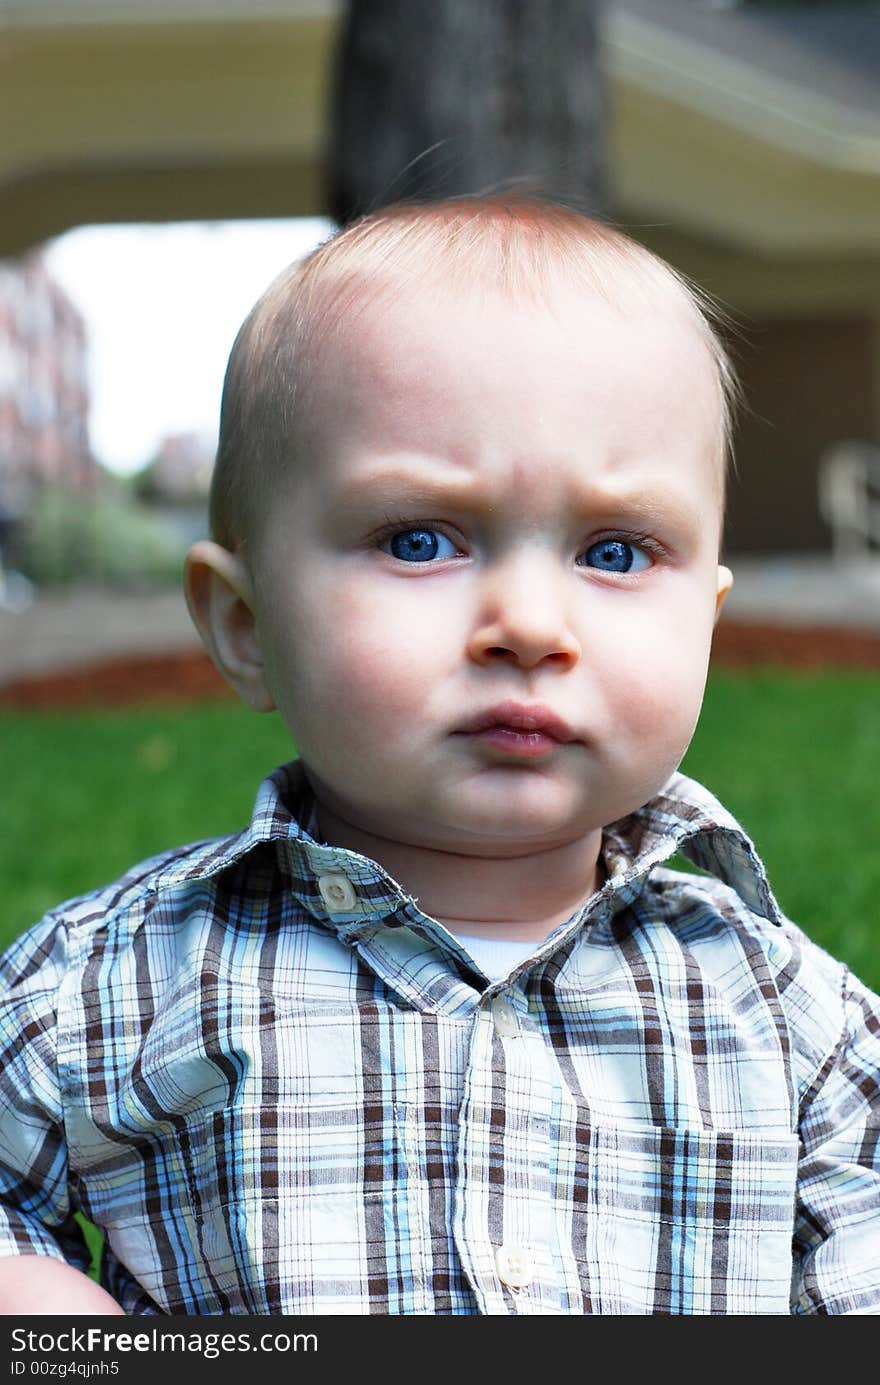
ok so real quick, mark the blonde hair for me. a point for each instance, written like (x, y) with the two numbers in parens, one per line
(522, 247)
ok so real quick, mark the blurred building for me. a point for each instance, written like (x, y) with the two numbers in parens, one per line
(44, 393)
(176, 483)
(180, 473)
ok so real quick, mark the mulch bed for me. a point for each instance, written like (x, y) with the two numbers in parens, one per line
(179, 677)
(744, 644)
(190, 676)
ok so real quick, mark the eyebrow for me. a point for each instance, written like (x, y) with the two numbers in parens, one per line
(390, 482)
(396, 485)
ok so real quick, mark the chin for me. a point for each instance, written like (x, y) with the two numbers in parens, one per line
(510, 827)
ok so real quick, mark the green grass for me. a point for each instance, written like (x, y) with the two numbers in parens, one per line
(796, 757)
(88, 794)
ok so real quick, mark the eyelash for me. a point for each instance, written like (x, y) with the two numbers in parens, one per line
(638, 540)
(402, 524)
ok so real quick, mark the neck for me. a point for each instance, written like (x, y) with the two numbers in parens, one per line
(521, 896)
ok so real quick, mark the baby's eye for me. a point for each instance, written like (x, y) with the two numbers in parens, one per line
(419, 545)
(615, 555)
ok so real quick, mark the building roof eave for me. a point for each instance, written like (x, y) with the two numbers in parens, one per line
(748, 100)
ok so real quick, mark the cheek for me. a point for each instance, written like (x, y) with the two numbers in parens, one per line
(659, 679)
(660, 719)
(354, 661)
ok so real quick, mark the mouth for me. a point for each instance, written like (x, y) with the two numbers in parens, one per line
(527, 732)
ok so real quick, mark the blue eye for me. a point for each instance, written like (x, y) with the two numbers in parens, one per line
(419, 545)
(615, 555)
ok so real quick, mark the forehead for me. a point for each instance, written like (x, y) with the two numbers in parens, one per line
(430, 367)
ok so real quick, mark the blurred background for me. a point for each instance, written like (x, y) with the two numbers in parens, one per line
(161, 160)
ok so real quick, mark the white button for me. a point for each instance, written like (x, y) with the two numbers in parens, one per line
(337, 892)
(504, 1015)
(514, 1266)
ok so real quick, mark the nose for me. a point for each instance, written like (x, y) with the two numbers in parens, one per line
(525, 615)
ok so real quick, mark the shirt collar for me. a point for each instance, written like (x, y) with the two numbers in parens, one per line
(352, 893)
(685, 817)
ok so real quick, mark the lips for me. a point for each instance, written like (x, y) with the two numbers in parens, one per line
(529, 722)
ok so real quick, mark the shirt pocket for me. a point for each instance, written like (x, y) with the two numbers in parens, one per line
(682, 1221)
(305, 1209)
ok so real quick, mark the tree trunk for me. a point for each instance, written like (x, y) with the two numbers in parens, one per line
(445, 97)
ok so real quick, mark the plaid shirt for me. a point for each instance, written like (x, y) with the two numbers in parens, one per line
(278, 1087)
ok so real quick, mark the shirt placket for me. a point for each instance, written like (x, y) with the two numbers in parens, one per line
(504, 1225)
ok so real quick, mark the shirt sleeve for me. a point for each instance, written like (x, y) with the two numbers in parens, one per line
(837, 1217)
(36, 1212)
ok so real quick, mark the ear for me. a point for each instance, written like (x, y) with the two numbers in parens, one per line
(725, 582)
(221, 602)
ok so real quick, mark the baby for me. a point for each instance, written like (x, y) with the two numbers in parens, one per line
(439, 1032)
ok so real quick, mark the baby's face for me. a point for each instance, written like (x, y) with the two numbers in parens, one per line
(485, 599)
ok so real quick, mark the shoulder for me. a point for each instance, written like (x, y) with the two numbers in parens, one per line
(109, 917)
(767, 960)
(728, 922)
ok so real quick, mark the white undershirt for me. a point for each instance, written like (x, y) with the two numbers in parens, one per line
(497, 956)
